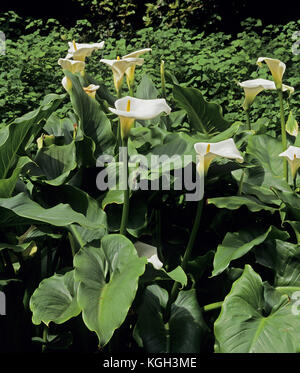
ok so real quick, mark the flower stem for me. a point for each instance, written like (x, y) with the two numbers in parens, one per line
(125, 211)
(131, 91)
(248, 119)
(162, 77)
(159, 234)
(212, 306)
(283, 133)
(45, 334)
(185, 259)
(241, 183)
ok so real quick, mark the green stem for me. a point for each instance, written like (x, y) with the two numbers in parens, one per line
(131, 93)
(158, 234)
(241, 183)
(45, 334)
(283, 133)
(125, 211)
(185, 259)
(163, 80)
(294, 182)
(212, 306)
(248, 119)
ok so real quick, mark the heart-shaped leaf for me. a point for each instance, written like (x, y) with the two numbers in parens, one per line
(55, 299)
(108, 279)
(255, 318)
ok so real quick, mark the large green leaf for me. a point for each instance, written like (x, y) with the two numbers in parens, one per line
(146, 89)
(235, 202)
(56, 162)
(20, 209)
(237, 244)
(284, 259)
(81, 202)
(7, 185)
(256, 318)
(205, 117)
(93, 120)
(55, 299)
(108, 279)
(266, 150)
(185, 331)
(17, 134)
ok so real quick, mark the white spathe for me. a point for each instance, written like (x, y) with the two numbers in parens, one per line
(136, 54)
(71, 65)
(276, 67)
(253, 87)
(130, 71)
(150, 252)
(79, 51)
(292, 154)
(206, 152)
(66, 83)
(130, 108)
(139, 108)
(119, 67)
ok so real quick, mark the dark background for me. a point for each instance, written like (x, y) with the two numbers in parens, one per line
(232, 12)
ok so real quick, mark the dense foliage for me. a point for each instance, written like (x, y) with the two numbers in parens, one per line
(212, 63)
(145, 269)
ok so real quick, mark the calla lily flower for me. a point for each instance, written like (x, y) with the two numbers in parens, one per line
(150, 252)
(253, 87)
(72, 66)
(292, 154)
(79, 51)
(276, 67)
(119, 68)
(91, 90)
(130, 71)
(206, 152)
(130, 108)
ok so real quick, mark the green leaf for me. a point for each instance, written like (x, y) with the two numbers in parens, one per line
(55, 300)
(22, 210)
(113, 196)
(93, 120)
(284, 259)
(20, 131)
(56, 162)
(185, 330)
(146, 89)
(255, 320)
(108, 279)
(18, 135)
(81, 202)
(235, 202)
(237, 244)
(266, 150)
(205, 117)
(7, 186)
